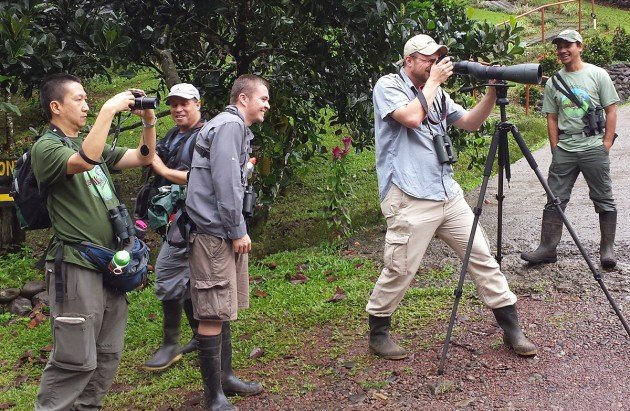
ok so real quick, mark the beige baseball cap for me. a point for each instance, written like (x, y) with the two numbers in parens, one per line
(184, 90)
(569, 35)
(423, 44)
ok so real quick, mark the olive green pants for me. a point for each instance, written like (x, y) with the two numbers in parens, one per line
(88, 330)
(594, 164)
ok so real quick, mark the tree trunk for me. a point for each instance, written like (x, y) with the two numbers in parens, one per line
(8, 122)
(165, 60)
(167, 65)
(10, 233)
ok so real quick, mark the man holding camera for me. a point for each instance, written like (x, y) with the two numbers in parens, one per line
(171, 165)
(89, 323)
(575, 100)
(420, 198)
(219, 243)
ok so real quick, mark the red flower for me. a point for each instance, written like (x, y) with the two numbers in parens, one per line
(336, 152)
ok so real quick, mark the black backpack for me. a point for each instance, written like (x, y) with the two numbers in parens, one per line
(29, 197)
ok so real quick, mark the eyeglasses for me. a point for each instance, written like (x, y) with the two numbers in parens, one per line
(431, 61)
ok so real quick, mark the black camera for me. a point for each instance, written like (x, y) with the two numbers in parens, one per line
(143, 102)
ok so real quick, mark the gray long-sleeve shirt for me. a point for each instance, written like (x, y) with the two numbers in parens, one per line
(216, 184)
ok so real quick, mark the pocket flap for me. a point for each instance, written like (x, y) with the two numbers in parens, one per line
(207, 284)
(396, 238)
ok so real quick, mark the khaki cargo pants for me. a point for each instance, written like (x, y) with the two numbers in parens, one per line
(411, 224)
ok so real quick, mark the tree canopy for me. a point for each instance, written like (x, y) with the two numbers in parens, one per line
(321, 57)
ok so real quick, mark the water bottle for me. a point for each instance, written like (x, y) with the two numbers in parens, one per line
(120, 260)
(250, 166)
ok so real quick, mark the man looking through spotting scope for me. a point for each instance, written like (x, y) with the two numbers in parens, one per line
(580, 102)
(420, 198)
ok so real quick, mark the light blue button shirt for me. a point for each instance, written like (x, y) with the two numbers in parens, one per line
(405, 156)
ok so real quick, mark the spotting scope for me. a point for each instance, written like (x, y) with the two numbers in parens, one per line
(519, 73)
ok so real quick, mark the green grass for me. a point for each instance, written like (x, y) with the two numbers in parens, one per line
(18, 268)
(281, 320)
(494, 17)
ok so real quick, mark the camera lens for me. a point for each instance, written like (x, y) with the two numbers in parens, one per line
(144, 103)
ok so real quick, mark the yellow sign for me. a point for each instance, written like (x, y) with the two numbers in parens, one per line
(5, 198)
(6, 167)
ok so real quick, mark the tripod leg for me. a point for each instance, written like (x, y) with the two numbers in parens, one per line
(596, 274)
(503, 161)
(498, 134)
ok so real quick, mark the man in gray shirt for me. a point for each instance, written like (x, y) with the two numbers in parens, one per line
(420, 198)
(219, 245)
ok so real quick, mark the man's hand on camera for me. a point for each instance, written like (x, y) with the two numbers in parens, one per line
(242, 245)
(120, 102)
(442, 70)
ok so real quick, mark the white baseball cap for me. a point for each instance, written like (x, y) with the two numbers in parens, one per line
(184, 90)
(423, 44)
(569, 35)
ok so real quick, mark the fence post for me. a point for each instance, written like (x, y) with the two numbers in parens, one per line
(527, 99)
(542, 25)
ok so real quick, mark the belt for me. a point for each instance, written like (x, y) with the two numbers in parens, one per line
(564, 135)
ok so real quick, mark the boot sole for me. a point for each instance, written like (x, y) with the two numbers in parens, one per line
(163, 367)
(541, 261)
(390, 357)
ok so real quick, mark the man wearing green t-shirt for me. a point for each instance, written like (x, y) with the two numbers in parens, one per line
(89, 323)
(580, 103)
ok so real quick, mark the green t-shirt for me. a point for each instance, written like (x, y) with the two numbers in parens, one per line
(77, 211)
(593, 86)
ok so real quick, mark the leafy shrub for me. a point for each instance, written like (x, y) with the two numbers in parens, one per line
(598, 50)
(621, 45)
(535, 94)
(548, 60)
(17, 268)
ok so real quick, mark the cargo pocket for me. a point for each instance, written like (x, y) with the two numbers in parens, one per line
(395, 257)
(75, 346)
(213, 299)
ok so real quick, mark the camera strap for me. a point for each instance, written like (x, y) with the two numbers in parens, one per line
(567, 91)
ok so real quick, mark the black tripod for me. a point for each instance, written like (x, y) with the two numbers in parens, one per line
(500, 143)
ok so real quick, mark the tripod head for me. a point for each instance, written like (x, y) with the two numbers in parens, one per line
(501, 87)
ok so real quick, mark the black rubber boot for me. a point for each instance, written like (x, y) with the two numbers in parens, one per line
(209, 348)
(607, 227)
(550, 235)
(170, 351)
(380, 342)
(232, 385)
(513, 337)
(194, 325)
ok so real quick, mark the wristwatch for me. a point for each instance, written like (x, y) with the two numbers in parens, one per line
(149, 125)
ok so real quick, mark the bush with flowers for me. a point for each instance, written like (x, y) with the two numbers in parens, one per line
(338, 191)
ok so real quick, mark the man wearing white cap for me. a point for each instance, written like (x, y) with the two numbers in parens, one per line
(171, 166)
(580, 103)
(419, 197)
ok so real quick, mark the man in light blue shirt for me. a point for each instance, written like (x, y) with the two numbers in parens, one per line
(420, 198)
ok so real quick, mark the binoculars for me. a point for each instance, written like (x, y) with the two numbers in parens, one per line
(122, 223)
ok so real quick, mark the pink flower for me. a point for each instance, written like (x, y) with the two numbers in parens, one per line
(336, 152)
